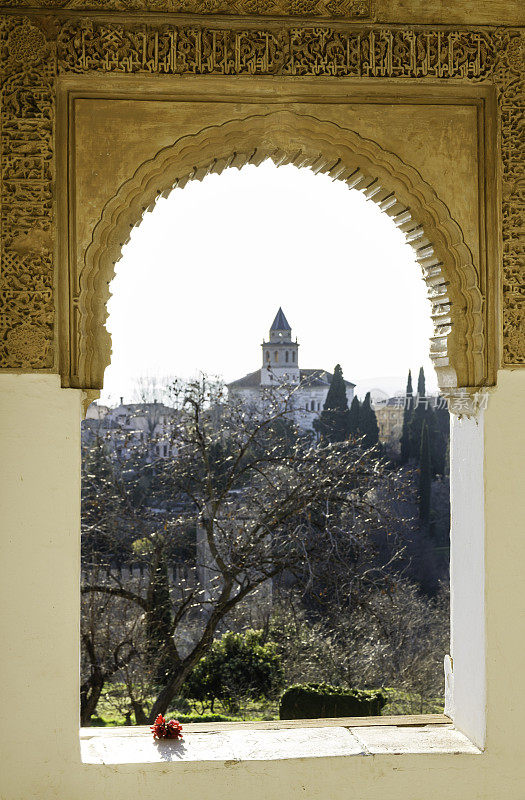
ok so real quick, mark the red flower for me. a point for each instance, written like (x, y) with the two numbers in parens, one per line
(166, 730)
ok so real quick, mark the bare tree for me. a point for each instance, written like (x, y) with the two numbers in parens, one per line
(109, 627)
(399, 638)
(267, 502)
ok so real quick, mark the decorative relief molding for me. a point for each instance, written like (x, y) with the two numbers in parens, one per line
(509, 77)
(86, 45)
(27, 98)
(32, 52)
(345, 9)
(291, 138)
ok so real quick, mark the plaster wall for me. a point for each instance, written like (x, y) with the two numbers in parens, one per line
(469, 12)
(467, 579)
(39, 626)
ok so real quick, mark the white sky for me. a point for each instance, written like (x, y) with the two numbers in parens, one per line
(202, 277)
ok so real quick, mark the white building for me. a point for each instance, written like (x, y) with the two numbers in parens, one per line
(130, 424)
(280, 371)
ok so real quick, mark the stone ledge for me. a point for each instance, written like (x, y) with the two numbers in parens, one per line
(273, 744)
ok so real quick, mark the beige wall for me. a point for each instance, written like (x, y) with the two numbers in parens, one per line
(39, 596)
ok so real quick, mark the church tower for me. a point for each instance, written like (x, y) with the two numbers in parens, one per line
(280, 354)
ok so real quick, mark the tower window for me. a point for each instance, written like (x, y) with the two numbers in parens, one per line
(287, 356)
(293, 355)
(312, 405)
(276, 356)
(267, 355)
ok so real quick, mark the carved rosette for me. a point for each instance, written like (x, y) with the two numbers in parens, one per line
(26, 136)
(29, 62)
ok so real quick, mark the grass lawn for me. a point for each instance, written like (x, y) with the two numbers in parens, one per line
(112, 705)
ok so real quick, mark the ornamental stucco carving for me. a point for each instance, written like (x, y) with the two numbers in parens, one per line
(34, 51)
(27, 274)
(348, 9)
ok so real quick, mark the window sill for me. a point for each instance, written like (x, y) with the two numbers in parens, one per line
(236, 742)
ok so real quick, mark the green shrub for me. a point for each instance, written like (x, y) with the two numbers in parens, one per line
(321, 700)
(236, 667)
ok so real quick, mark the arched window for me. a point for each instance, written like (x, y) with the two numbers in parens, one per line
(286, 356)
(312, 405)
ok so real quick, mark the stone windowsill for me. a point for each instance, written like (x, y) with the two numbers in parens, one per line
(271, 741)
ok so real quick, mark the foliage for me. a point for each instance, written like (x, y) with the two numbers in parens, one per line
(399, 638)
(236, 667)
(439, 434)
(417, 417)
(368, 423)
(407, 413)
(267, 502)
(109, 636)
(321, 700)
(158, 617)
(421, 411)
(326, 522)
(354, 417)
(425, 477)
(333, 424)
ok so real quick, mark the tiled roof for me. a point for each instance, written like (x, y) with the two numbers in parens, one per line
(250, 381)
(280, 322)
(319, 377)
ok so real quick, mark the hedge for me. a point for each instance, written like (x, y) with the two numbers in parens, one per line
(321, 700)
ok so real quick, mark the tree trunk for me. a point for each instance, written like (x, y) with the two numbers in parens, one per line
(140, 716)
(90, 692)
(166, 695)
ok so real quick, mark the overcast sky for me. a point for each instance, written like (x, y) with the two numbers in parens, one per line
(203, 275)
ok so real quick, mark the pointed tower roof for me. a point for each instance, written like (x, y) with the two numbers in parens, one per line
(280, 322)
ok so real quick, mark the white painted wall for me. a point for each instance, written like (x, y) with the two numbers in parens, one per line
(467, 565)
(302, 400)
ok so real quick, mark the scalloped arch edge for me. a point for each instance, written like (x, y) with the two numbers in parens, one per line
(288, 137)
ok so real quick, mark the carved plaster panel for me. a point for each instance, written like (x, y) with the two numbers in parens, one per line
(347, 9)
(33, 52)
(27, 117)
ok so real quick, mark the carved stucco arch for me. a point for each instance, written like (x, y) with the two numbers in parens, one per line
(286, 137)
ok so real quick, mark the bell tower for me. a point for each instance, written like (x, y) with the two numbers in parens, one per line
(280, 354)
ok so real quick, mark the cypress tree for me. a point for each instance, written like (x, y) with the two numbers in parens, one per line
(333, 424)
(418, 417)
(425, 476)
(368, 423)
(421, 382)
(439, 439)
(354, 417)
(407, 416)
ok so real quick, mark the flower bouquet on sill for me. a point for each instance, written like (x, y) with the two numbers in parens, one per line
(162, 729)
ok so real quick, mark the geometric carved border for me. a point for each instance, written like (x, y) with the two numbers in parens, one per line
(305, 141)
(34, 51)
